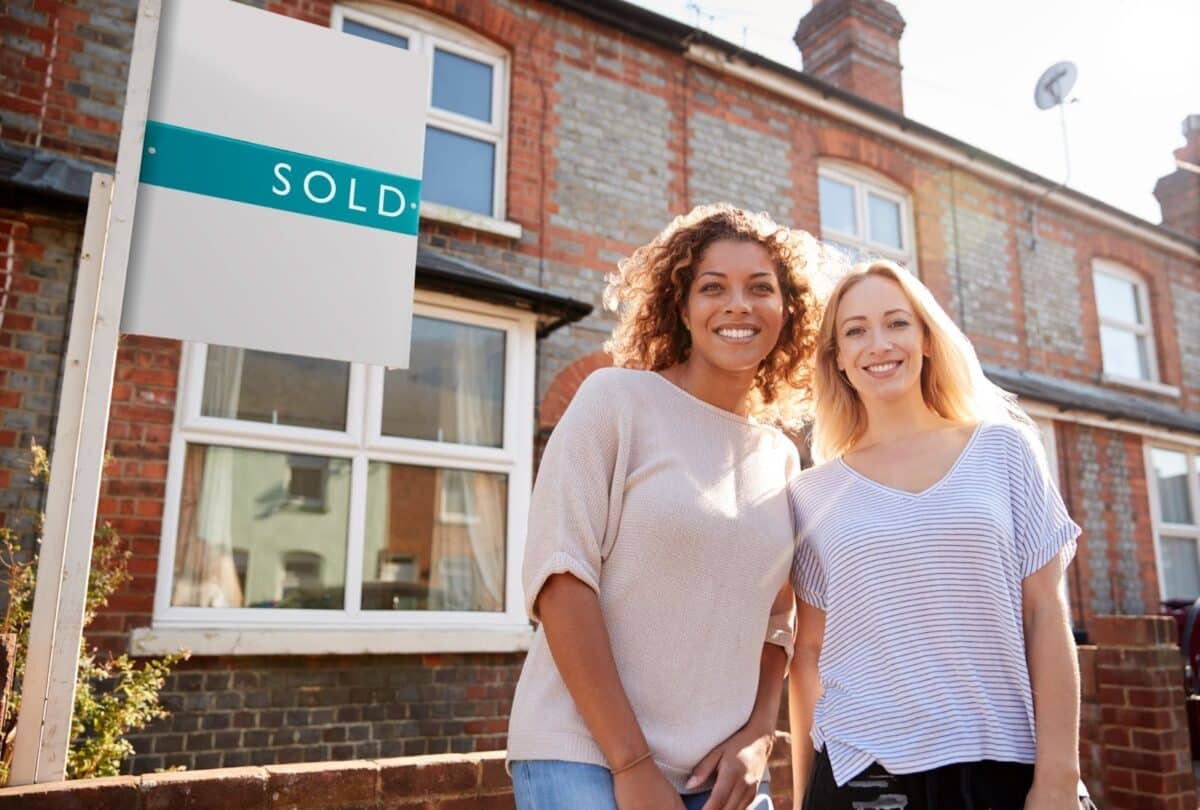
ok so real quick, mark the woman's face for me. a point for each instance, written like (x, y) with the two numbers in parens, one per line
(734, 307)
(881, 343)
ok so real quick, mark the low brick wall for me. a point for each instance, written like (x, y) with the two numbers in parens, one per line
(1134, 748)
(441, 782)
(271, 710)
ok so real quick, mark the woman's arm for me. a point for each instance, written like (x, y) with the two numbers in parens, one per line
(579, 644)
(1054, 677)
(740, 761)
(804, 687)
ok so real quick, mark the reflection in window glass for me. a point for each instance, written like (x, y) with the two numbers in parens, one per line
(462, 85)
(837, 207)
(1117, 298)
(453, 389)
(281, 389)
(247, 540)
(1124, 353)
(374, 34)
(1174, 487)
(884, 218)
(1181, 568)
(459, 171)
(435, 539)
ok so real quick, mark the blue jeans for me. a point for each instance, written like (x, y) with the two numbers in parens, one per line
(552, 784)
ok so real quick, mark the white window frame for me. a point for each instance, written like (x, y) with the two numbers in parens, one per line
(425, 33)
(865, 182)
(1141, 330)
(1160, 527)
(361, 443)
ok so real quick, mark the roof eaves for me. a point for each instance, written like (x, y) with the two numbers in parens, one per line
(1073, 395)
(444, 273)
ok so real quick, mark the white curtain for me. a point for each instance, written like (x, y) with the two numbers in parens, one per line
(208, 576)
(478, 420)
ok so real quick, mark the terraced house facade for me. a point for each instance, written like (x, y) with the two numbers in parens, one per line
(340, 545)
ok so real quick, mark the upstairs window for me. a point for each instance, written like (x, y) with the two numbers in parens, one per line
(466, 117)
(865, 217)
(1126, 332)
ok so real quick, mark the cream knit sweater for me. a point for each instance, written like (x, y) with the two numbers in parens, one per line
(676, 513)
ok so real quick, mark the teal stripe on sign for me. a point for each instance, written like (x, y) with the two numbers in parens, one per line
(242, 171)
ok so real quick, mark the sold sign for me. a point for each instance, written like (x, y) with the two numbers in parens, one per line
(278, 198)
(231, 169)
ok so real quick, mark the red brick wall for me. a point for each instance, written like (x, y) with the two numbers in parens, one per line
(1136, 721)
(246, 710)
(38, 251)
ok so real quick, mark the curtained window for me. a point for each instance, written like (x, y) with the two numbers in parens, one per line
(1174, 492)
(341, 492)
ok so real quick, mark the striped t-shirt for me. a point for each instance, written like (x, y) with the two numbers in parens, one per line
(923, 660)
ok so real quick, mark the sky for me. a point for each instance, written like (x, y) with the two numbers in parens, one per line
(970, 67)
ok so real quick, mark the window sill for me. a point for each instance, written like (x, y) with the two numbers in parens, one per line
(147, 641)
(469, 219)
(1144, 386)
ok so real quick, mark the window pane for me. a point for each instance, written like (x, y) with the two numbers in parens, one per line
(453, 389)
(1117, 298)
(884, 220)
(837, 207)
(462, 85)
(435, 539)
(259, 529)
(1124, 353)
(1174, 490)
(374, 34)
(459, 171)
(282, 389)
(1181, 568)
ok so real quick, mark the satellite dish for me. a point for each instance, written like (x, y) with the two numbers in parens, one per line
(1054, 85)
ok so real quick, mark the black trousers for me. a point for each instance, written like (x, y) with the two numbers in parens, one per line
(985, 785)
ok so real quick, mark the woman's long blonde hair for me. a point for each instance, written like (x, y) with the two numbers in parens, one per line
(952, 381)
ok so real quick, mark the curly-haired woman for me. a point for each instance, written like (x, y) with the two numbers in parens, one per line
(660, 534)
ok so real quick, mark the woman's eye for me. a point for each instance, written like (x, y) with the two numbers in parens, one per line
(899, 324)
(765, 289)
(710, 287)
(854, 331)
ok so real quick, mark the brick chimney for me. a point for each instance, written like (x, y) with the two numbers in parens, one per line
(1179, 192)
(855, 45)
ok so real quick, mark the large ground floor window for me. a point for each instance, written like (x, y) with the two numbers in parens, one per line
(1174, 491)
(310, 493)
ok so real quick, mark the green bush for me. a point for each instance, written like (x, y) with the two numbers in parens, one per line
(113, 696)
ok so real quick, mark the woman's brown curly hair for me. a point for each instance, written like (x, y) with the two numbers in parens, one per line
(650, 287)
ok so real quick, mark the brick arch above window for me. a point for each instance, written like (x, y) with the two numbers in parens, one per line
(562, 389)
(883, 160)
(477, 24)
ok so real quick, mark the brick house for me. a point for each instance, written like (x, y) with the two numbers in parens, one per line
(339, 546)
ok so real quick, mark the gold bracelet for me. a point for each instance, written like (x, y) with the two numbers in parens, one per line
(629, 765)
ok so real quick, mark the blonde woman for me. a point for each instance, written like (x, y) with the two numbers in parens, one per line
(660, 533)
(934, 664)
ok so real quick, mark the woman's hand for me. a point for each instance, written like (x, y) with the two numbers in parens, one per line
(1053, 797)
(643, 787)
(739, 764)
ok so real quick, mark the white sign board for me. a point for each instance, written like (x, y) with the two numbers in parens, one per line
(277, 208)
